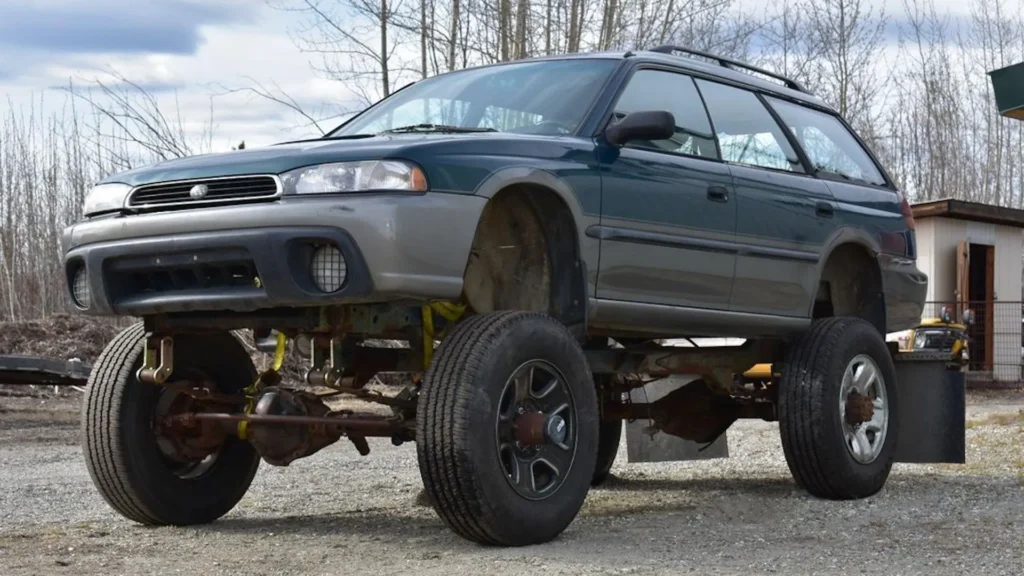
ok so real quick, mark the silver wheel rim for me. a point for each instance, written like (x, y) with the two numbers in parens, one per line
(865, 439)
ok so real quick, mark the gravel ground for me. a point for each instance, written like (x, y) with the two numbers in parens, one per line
(339, 513)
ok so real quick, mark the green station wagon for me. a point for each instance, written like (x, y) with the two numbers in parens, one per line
(531, 230)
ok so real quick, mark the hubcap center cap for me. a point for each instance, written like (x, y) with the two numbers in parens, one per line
(859, 408)
(554, 429)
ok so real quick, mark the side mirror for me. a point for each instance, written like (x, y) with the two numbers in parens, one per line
(647, 125)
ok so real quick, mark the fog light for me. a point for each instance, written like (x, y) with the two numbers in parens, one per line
(329, 269)
(80, 288)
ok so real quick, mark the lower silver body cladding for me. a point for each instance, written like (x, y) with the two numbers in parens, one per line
(301, 252)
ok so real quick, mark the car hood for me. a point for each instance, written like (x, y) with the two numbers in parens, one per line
(281, 158)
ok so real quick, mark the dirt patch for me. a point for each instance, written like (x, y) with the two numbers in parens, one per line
(997, 419)
(60, 336)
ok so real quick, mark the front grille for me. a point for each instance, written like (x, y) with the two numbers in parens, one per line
(215, 190)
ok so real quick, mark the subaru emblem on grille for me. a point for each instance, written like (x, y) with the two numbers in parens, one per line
(199, 191)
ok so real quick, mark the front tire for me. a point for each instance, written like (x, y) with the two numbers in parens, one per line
(131, 465)
(839, 409)
(493, 374)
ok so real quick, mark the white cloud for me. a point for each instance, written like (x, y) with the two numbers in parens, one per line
(227, 56)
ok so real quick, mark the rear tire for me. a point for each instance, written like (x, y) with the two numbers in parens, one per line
(832, 452)
(123, 453)
(481, 482)
(608, 438)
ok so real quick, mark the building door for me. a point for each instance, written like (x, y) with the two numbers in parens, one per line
(976, 290)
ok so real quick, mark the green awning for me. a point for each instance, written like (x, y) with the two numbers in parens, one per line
(1008, 84)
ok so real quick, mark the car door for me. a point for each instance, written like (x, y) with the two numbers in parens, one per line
(668, 217)
(784, 215)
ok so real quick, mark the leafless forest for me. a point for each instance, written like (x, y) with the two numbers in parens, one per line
(911, 78)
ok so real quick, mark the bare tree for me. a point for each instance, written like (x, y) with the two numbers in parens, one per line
(847, 35)
(125, 116)
(786, 43)
(355, 42)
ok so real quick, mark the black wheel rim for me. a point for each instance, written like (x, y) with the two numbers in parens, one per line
(536, 470)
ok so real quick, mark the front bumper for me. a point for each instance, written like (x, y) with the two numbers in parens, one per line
(248, 257)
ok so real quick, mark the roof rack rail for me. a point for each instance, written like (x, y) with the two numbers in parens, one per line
(731, 64)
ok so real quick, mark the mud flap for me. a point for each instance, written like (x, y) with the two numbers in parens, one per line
(643, 447)
(933, 407)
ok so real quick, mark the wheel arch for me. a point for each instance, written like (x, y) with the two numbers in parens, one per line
(850, 281)
(531, 230)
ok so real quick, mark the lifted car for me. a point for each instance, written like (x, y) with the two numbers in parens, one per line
(546, 222)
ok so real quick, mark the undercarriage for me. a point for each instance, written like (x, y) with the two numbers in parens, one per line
(285, 421)
(512, 388)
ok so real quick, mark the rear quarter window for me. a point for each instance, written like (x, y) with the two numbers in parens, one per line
(828, 143)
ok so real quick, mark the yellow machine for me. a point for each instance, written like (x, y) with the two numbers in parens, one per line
(940, 334)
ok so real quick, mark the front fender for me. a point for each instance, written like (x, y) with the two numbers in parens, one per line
(578, 188)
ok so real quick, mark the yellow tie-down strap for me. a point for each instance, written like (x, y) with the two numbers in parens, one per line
(254, 389)
(447, 310)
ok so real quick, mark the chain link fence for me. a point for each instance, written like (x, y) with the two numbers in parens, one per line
(996, 340)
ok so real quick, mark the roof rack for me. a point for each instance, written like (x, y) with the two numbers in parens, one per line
(731, 64)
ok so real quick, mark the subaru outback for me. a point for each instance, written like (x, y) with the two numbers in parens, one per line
(530, 232)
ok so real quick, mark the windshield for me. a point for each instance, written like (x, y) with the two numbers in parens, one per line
(546, 97)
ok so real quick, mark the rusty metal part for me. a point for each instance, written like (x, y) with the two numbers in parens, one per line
(679, 360)
(364, 425)
(529, 429)
(158, 361)
(692, 412)
(376, 397)
(615, 385)
(859, 408)
(384, 320)
(325, 366)
(361, 445)
(281, 444)
(367, 361)
(290, 424)
(187, 443)
(205, 393)
(194, 443)
(372, 319)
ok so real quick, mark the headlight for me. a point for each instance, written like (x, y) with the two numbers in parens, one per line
(105, 197)
(355, 177)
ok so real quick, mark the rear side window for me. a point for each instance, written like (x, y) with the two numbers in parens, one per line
(828, 143)
(747, 132)
(675, 93)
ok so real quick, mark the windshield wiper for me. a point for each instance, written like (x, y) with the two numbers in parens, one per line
(347, 137)
(344, 137)
(438, 128)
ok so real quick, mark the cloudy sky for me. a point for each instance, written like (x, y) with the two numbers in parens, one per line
(183, 50)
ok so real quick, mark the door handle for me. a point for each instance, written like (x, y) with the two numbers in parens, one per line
(718, 194)
(824, 210)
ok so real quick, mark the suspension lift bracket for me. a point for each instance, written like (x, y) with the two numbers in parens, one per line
(158, 362)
